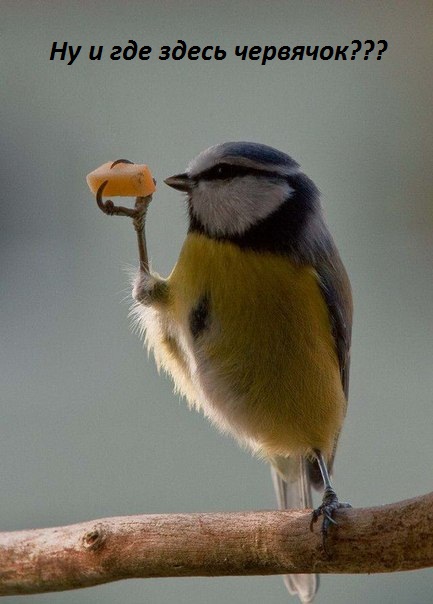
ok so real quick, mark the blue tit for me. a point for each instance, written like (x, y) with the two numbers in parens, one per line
(254, 322)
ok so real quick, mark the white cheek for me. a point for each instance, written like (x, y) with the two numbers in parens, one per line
(230, 208)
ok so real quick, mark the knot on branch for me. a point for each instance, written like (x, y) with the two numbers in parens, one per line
(95, 538)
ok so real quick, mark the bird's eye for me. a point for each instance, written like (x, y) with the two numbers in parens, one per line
(223, 171)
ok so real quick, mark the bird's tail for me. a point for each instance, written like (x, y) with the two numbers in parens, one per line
(293, 490)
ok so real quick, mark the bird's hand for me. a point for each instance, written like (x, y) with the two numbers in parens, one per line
(137, 213)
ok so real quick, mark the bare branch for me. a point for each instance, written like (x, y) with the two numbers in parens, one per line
(391, 538)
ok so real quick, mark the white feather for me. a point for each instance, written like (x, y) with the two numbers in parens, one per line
(231, 207)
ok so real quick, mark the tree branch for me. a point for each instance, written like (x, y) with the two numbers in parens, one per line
(390, 538)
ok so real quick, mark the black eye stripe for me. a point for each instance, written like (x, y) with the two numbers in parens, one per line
(228, 171)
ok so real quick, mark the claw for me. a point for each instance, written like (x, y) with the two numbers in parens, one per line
(108, 206)
(327, 509)
(101, 204)
(120, 161)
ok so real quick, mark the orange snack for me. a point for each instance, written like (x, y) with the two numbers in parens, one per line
(124, 179)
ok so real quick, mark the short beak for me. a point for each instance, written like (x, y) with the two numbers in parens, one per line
(181, 182)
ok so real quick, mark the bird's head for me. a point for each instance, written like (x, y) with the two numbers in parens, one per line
(243, 191)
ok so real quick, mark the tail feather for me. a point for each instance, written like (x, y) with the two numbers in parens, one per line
(293, 490)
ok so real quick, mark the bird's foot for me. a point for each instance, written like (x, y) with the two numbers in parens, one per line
(108, 207)
(137, 213)
(330, 504)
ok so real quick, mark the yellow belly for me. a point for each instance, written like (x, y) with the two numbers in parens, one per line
(266, 368)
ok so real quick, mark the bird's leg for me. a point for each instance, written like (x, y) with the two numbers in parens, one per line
(330, 503)
(137, 213)
(148, 288)
(139, 222)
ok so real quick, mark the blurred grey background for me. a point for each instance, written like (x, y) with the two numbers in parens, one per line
(88, 428)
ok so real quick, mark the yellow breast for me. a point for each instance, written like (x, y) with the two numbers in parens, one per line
(266, 368)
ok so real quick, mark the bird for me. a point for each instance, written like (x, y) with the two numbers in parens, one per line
(254, 322)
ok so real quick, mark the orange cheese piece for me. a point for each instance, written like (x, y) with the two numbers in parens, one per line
(124, 179)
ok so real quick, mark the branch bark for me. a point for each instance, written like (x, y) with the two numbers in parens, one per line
(390, 538)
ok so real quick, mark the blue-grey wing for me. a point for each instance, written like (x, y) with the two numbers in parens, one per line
(336, 291)
(335, 286)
